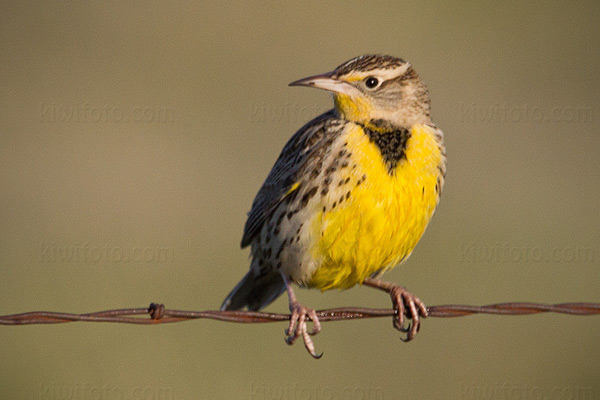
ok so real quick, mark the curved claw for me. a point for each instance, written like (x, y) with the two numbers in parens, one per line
(405, 301)
(316, 323)
(297, 327)
(308, 343)
(401, 328)
(289, 340)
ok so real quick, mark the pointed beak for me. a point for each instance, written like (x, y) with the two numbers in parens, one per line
(327, 82)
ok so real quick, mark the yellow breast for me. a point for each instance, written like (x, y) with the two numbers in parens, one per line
(379, 223)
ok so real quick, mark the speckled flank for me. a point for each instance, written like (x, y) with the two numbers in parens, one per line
(335, 205)
(365, 225)
(354, 189)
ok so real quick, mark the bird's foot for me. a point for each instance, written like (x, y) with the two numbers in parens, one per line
(298, 328)
(407, 303)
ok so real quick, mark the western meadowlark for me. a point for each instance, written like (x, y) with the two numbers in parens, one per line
(350, 195)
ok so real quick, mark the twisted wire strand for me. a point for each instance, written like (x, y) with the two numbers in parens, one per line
(160, 315)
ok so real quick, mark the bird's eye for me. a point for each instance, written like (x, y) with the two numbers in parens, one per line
(371, 82)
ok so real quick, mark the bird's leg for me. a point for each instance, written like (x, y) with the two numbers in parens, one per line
(403, 301)
(298, 318)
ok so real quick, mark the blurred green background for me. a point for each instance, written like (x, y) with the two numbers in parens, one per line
(134, 136)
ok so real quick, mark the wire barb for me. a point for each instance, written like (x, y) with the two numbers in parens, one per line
(160, 315)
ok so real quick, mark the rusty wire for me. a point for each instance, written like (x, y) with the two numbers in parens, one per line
(160, 315)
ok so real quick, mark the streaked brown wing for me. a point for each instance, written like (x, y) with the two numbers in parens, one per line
(288, 169)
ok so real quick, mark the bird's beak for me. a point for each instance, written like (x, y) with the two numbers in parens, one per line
(327, 82)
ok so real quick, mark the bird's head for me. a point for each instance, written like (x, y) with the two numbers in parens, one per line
(380, 92)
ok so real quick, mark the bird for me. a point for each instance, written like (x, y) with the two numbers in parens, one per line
(349, 197)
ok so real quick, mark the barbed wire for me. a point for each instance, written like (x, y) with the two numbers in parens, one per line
(160, 315)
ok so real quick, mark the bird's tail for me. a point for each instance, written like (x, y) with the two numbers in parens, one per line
(255, 292)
